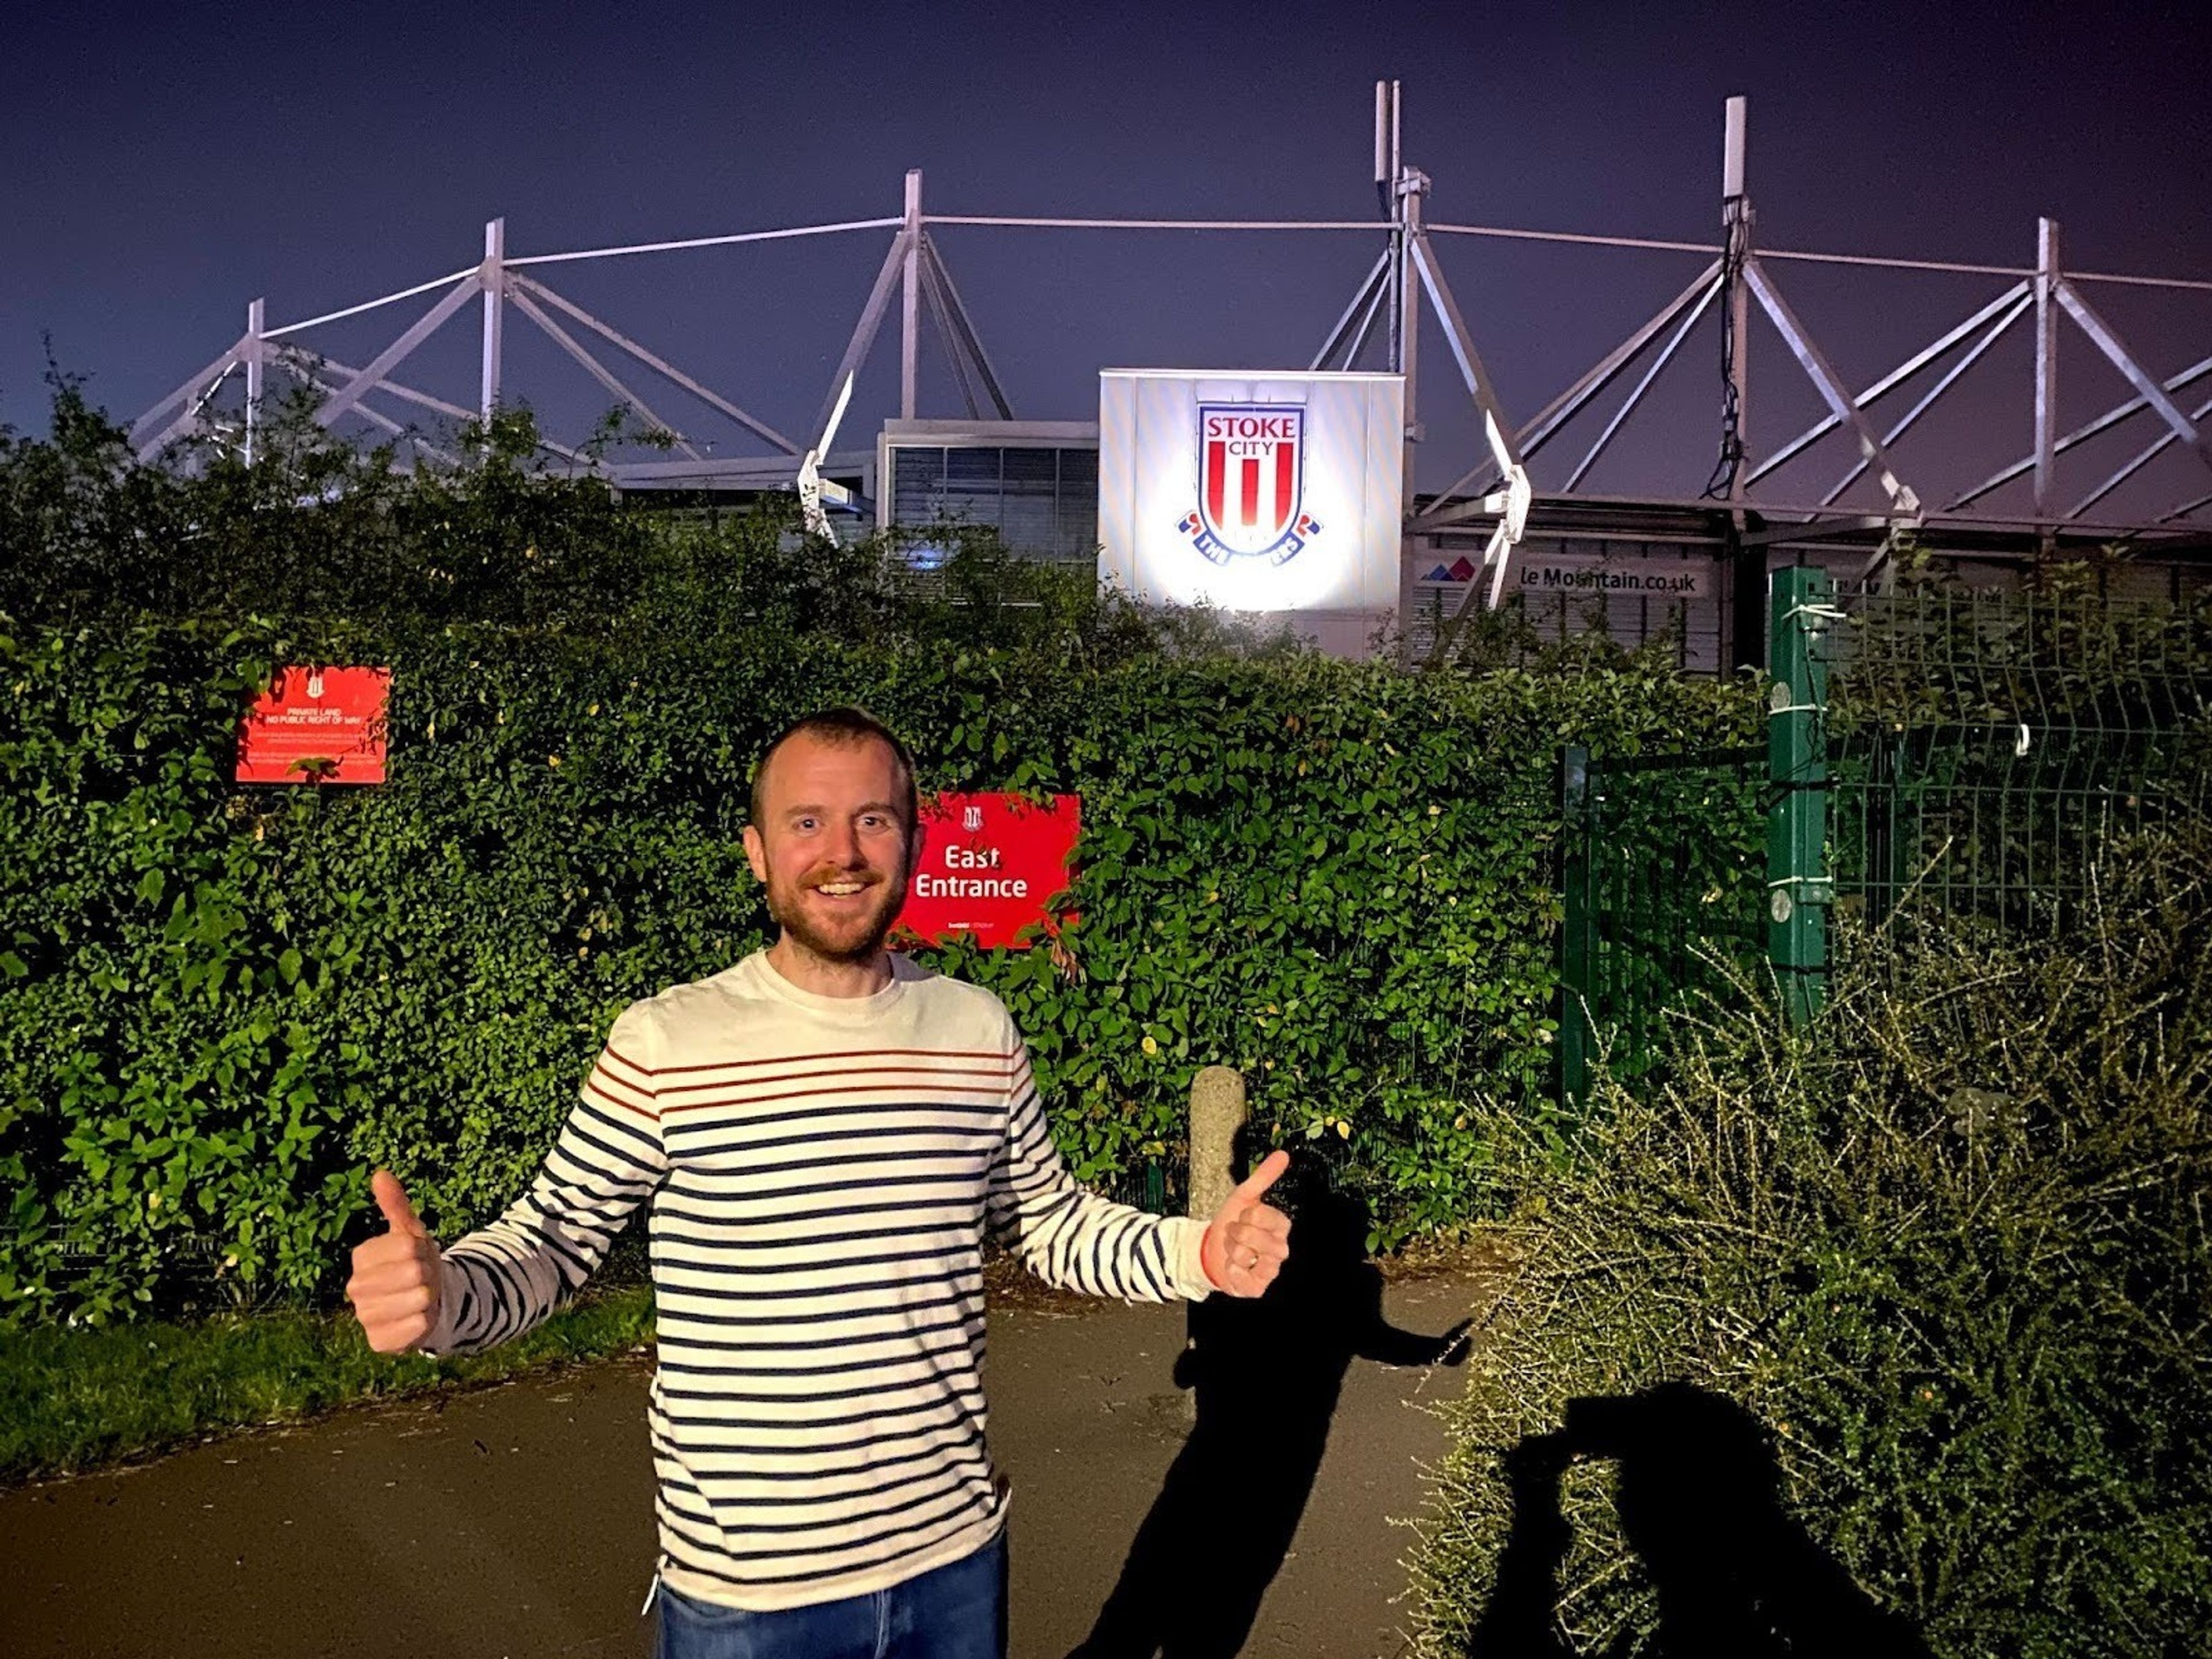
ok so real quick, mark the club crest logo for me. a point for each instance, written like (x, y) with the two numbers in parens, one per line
(1251, 480)
(971, 818)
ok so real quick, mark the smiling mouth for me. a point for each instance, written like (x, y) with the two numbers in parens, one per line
(846, 889)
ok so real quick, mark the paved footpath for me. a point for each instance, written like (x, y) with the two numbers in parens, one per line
(517, 1520)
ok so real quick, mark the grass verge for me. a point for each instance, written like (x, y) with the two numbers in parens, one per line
(73, 1400)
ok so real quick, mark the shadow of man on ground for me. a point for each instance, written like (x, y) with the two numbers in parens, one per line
(1699, 1501)
(1265, 1375)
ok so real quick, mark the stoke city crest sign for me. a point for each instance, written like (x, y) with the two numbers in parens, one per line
(1251, 482)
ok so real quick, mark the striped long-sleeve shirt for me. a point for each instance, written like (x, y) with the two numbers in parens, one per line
(822, 1171)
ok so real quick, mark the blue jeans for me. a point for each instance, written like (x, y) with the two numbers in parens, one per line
(957, 1611)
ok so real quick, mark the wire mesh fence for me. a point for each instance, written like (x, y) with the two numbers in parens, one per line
(1968, 754)
(1984, 749)
(1661, 885)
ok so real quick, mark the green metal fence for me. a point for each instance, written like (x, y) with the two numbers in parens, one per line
(1930, 750)
(1661, 888)
(1985, 749)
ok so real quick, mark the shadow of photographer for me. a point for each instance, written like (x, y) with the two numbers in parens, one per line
(1265, 1375)
(1699, 1501)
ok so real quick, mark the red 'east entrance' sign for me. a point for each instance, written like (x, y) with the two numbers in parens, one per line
(316, 725)
(989, 865)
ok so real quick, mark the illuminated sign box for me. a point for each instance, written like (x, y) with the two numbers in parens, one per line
(1277, 493)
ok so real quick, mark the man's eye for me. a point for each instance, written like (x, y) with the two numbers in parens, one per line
(806, 824)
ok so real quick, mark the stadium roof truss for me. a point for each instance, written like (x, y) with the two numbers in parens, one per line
(1406, 280)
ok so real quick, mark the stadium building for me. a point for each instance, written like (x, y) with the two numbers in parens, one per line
(1378, 493)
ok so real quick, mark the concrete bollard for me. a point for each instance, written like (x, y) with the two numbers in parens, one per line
(1217, 1113)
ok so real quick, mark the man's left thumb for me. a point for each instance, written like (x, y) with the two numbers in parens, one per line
(1255, 1185)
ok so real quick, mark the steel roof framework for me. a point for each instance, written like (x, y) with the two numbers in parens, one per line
(1407, 278)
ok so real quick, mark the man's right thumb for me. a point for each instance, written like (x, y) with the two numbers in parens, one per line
(392, 1199)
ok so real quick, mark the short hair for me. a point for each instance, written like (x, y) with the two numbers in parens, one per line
(841, 726)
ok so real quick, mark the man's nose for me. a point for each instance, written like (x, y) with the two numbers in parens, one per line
(844, 847)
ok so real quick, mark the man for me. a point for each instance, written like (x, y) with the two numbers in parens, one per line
(825, 1131)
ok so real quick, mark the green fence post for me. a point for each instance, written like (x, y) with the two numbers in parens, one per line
(1579, 929)
(1799, 888)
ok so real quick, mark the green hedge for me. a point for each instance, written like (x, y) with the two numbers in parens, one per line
(219, 1007)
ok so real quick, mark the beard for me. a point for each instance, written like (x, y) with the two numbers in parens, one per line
(854, 937)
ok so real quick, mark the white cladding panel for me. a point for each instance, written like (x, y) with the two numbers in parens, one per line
(1339, 493)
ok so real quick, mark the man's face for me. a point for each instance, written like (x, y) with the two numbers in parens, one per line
(831, 846)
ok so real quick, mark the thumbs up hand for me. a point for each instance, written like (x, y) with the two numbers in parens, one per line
(394, 1289)
(1247, 1240)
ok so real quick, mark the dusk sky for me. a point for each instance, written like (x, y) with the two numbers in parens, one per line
(166, 165)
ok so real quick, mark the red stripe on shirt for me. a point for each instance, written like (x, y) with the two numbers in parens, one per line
(802, 1094)
(808, 1059)
(592, 1089)
(1000, 1075)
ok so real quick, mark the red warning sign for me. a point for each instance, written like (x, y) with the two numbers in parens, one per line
(989, 865)
(317, 725)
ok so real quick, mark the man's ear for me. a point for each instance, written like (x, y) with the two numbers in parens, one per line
(756, 854)
(917, 838)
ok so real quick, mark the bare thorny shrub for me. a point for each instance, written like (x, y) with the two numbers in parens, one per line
(1948, 1249)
